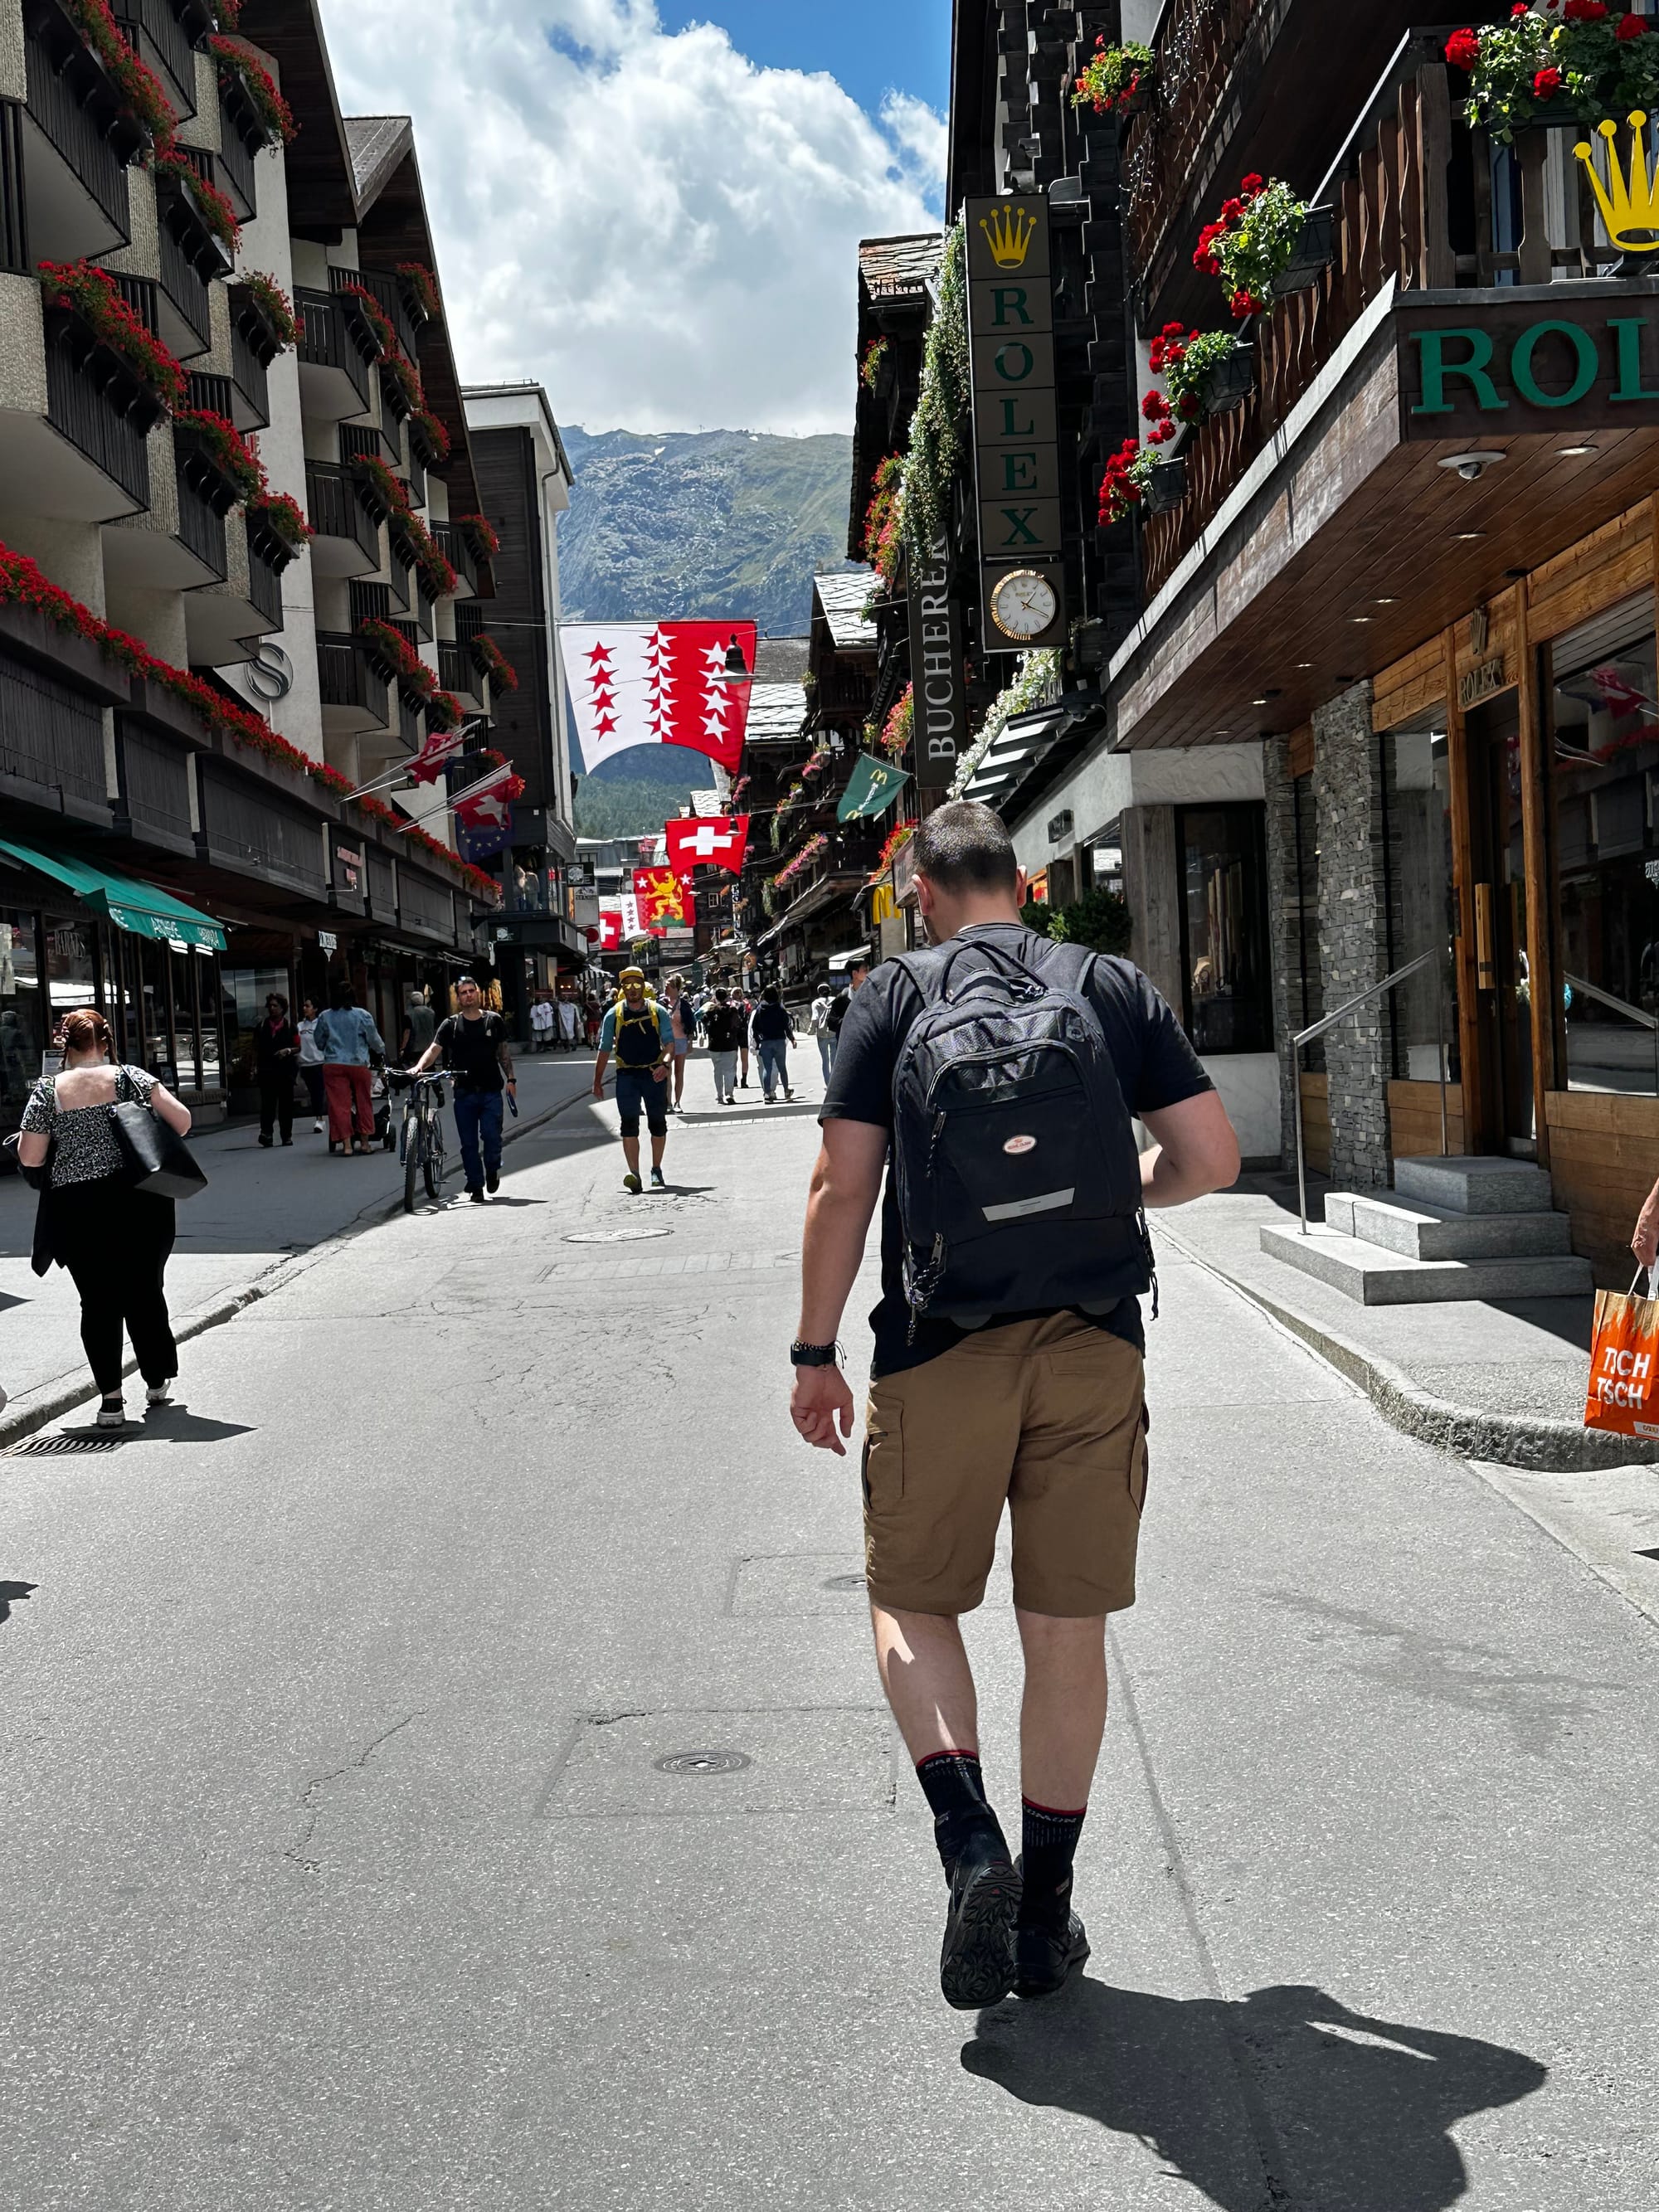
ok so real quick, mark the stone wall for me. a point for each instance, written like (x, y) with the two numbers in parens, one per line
(1285, 891)
(1347, 781)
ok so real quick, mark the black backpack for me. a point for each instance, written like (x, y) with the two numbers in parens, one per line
(1015, 1163)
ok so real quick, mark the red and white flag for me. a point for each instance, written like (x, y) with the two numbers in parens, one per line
(489, 805)
(663, 898)
(437, 747)
(633, 921)
(610, 929)
(659, 683)
(716, 841)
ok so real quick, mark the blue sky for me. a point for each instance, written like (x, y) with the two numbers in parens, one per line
(873, 46)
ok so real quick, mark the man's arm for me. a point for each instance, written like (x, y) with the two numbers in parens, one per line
(1194, 1151)
(504, 1054)
(845, 1184)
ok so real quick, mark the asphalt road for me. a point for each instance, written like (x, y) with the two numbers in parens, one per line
(341, 1871)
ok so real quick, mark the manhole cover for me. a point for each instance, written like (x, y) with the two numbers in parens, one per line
(702, 1762)
(614, 1235)
(844, 1582)
(74, 1443)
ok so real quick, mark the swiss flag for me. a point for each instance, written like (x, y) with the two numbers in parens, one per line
(718, 840)
(437, 747)
(489, 805)
(610, 929)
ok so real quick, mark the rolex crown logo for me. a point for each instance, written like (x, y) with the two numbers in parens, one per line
(1009, 234)
(1627, 206)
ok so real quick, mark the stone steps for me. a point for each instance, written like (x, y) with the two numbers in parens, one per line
(1417, 1230)
(1375, 1277)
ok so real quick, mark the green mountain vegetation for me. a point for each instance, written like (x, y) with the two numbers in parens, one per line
(709, 523)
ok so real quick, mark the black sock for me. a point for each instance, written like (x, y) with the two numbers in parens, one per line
(1047, 1846)
(954, 1787)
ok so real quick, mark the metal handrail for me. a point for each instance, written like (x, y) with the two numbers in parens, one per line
(1436, 957)
(1620, 1006)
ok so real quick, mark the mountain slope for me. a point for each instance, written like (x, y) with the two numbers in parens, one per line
(707, 522)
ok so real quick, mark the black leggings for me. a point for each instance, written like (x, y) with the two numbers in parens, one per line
(115, 1243)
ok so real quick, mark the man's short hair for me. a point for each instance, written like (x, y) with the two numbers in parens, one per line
(964, 846)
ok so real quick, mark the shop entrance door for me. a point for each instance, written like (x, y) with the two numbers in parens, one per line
(1503, 997)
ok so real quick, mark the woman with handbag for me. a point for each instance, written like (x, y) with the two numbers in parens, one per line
(114, 1238)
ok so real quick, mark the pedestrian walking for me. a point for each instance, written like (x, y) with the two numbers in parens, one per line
(638, 1031)
(818, 1026)
(1008, 1350)
(311, 1063)
(723, 1023)
(276, 1058)
(473, 1046)
(591, 1021)
(113, 1240)
(683, 1021)
(746, 1007)
(420, 1027)
(348, 1039)
(774, 1032)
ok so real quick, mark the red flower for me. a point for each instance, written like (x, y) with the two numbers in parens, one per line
(1250, 186)
(1630, 27)
(1463, 49)
(1231, 211)
(1584, 11)
(1520, 9)
(1245, 303)
(1546, 84)
(1155, 407)
(1162, 435)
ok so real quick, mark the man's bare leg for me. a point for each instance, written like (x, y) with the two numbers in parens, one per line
(680, 1059)
(929, 1685)
(1063, 1715)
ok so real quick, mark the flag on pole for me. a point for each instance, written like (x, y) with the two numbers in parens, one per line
(716, 841)
(632, 922)
(659, 683)
(611, 927)
(437, 747)
(871, 789)
(663, 898)
(488, 804)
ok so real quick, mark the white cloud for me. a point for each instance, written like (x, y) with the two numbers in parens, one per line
(662, 233)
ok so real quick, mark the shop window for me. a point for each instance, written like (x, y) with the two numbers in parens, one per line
(243, 991)
(1422, 905)
(22, 1015)
(1605, 696)
(71, 967)
(1226, 972)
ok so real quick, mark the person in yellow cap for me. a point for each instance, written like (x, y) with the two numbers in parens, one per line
(640, 1034)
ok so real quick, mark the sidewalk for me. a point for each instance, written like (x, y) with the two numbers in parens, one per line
(260, 1213)
(1504, 1381)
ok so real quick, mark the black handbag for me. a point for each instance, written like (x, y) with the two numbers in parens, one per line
(154, 1158)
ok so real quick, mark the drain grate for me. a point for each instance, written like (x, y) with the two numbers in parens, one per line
(702, 1762)
(70, 1444)
(614, 1235)
(843, 1583)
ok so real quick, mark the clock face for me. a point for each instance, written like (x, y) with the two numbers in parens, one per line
(1024, 604)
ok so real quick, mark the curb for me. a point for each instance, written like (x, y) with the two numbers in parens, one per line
(24, 1415)
(1531, 1441)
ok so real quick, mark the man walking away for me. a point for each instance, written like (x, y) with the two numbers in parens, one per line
(311, 1063)
(683, 1023)
(638, 1030)
(818, 1025)
(857, 969)
(420, 1027)
(1008, 1352)
(773, 1031)
(474, 1048)
(276, 1056)
(724, 1023)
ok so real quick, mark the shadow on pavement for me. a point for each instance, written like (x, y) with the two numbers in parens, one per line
(1344, 2109)
(176, 1427)
(13, 1594)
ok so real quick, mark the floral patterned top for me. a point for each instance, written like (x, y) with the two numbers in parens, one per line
(84, 1149)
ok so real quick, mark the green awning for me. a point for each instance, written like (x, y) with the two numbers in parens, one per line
(132, 905)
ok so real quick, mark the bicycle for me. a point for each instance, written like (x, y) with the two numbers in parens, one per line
(420, 1135)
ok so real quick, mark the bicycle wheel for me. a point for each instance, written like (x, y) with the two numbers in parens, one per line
(432, 1160)
(413, 1148)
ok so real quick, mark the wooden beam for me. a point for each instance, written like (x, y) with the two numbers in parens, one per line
(1537, 744)
(1469, 1005)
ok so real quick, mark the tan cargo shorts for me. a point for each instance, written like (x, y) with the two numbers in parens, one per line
(1048, 1415)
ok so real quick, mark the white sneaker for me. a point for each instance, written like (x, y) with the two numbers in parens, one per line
(158, 1394)
(316, 1128)
(111, 1417)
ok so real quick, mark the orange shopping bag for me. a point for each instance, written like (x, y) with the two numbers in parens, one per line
(1624, 1379)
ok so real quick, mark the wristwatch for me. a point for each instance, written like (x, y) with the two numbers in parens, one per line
(814, 1355)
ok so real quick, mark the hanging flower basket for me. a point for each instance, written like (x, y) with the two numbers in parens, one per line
(1258, 233)
(275, 307)
(1231, 381)
(222, 446)
(1312, 254)
(1117, 80)
(238, 66)
(95, 297)
(1558, 63)
(1165, 486)
(420, 288)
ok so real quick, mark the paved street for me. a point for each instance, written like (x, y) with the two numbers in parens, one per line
(341, 1872)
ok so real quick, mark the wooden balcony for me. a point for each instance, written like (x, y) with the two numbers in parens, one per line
(1329, 522)
(241, 140)
(457, 551)
(52, 739)
(348, 535)
(388, 293)
(335, 352)
(254, 346)
(164, 34)
(77, 150)
(191, 260)
(356, 696)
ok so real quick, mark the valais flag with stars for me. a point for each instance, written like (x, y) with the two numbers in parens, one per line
(658, 684)
(715, 841)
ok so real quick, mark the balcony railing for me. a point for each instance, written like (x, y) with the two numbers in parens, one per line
(1199, 43)
(387, 295)
(72, 100)
(370, 601)
(202, 506)
(191, 257)
(327, 343)
(334, 508)
(458, 552)
(14, 246)
(253, 347)
(348, 677)
(241, 137)
(97, 403)
(267, 557)
(162, 34)
(1419, 204)
(49, 734)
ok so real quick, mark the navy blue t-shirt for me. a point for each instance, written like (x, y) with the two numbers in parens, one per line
(1156, 1067)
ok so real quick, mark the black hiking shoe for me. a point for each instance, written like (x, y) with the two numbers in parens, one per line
(1046, 1956)
(976, 1964)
